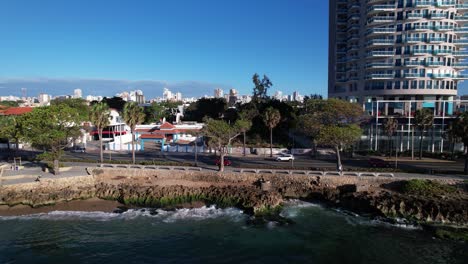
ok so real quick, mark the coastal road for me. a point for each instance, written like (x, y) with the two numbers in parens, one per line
(251, 161)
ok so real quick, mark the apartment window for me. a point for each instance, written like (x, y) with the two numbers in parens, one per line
(429, 84)
(397, 85)
(414, 84)
(421, 84)
(405, 84)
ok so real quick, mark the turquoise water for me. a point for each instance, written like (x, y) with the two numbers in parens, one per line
(210, 235)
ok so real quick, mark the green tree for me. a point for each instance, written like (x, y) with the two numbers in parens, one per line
(133, 115)
(328, 114)
(221, 135)
(154, 112)
(206, 107)
(246, 117)
(99, 116)
(339, 137)
(460, 131)
(79, 104)
(271, 117)
(261, 87)
(390, 127)
(115, 102)
(52, 128)
(453, 138)
(11, 128)
(423, 118)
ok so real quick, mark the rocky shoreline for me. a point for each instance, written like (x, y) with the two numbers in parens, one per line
(259, 195)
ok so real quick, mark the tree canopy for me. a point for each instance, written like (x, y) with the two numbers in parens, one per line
(52, 128)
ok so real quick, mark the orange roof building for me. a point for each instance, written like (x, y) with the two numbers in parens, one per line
(16, 111)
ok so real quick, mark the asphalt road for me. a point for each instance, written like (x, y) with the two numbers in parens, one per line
(208, 160)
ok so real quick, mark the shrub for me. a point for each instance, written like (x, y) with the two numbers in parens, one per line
(426, 187)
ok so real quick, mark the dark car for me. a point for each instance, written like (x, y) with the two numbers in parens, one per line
(378, 163)
(226, 162)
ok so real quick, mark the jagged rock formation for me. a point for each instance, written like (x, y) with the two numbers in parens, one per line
(251, 192)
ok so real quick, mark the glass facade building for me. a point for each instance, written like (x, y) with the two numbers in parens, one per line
(397, 50)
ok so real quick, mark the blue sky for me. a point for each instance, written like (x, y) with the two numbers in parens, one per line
(213, 42)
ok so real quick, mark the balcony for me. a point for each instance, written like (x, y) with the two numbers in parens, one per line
(379, 76)
(460, 77)
(422, 27)
(438, 16)
(380, 42)
(460, 54)
(420, 52)
(414, 16)
(442, 52)
(379, 65)
(461, 65)
(441, 75)
(435, 63)
(381, 19)
(461, 18)
(437, 40)
(380, 8)
(460, 42)
(414, 40)
(443, 28)
(413, 63)
(380, 54)
(376, 31)
(413, 75)
(462, 7)
(461, 30)
(445, 4)
(423, 3)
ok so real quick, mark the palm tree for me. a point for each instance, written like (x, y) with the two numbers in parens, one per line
(460, 131)
(271, 118)
(390, 128)
(99, 116)
(423, 118)
(133, 115)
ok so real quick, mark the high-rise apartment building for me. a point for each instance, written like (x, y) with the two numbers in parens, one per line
(218, 93)
(397, 50)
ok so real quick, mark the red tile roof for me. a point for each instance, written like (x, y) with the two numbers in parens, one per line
(167, 126)
(17, 110)
(152, 136)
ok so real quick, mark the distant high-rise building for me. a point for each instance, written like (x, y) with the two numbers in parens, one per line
(218, 93)
(137, 96)
(232, 97)
(396, 50)
(278, 95)
(43, 98)
(178, 96)
(77, 93)
(167, 95)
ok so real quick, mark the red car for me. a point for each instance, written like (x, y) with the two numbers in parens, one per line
(226, 162)
(378, 163)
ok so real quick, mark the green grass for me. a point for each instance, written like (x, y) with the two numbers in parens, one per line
(426, 188)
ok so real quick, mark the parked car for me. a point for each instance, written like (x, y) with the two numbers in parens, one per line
(78, 150)
(285, 157)
(226, 162)
(378, 163)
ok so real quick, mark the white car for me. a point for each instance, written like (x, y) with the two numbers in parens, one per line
(285, 157)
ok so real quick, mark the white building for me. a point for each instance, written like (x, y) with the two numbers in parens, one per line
(218, 93)
(77, 93)
(167, 95)
(43, 98)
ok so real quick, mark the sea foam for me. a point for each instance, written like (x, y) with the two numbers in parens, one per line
(199, 214)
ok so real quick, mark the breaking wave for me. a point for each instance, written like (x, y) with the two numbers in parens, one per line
(197, 214)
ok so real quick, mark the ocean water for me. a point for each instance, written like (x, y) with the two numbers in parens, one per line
(211, 235)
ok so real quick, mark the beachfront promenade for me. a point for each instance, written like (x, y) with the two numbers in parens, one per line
(32, 172)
